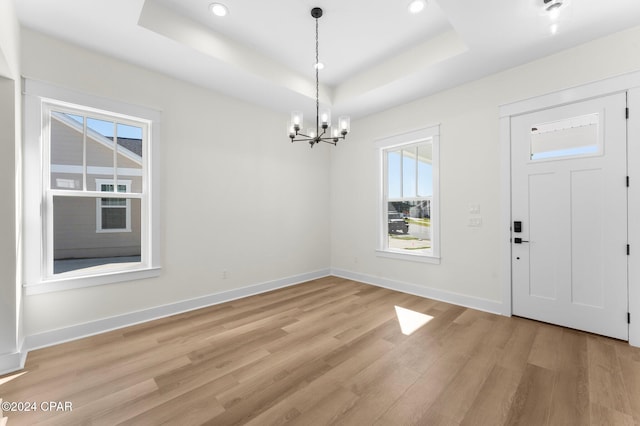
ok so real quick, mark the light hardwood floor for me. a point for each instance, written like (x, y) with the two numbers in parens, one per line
(331, 352)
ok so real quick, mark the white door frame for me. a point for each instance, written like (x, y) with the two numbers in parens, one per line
(622, 83)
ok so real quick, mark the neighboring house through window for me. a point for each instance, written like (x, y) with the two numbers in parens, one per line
(409, 198)
(88, 149)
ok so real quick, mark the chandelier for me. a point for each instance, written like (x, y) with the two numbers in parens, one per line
(324, 131)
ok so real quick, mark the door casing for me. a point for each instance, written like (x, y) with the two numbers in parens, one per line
(624, 83)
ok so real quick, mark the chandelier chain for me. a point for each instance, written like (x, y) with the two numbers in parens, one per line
(317, 83)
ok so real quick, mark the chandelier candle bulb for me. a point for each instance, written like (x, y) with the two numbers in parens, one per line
(345, 124)
(335, 133)
(325, 120)
(296, 120)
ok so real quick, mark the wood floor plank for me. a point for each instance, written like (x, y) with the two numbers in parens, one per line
(417, 399)
(328, 410)
(100, 407)
(190, 376)
(631, 379)
(606, 385)
(331, 351)
(606, 416)
(570, 398)
(342, 369)
(544, 350)
(378, 387)
(493, 401)
(517, 348)
(457, 398)
(196, 407)
(532, 400)
(137, 408)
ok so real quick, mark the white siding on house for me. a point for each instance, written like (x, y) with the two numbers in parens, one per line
(75, 235)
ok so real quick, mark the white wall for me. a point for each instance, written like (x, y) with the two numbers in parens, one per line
(10, 301)
(470, 172)
(9, 40)
(7, 219)
(236, 194)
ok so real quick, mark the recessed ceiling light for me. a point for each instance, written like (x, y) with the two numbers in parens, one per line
(416, 6)
(319, 65)
(553, 7)
(218, 9)
(550, 5)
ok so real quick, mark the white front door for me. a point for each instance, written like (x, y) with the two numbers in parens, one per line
(569, 198)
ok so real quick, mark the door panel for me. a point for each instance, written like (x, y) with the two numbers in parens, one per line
(542, 224)
(568, 188)
(587, 239)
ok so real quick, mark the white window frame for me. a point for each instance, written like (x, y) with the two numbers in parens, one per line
(100, 206)
(37, 230)
(429, 134)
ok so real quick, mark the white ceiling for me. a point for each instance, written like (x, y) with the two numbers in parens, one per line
(376, 54)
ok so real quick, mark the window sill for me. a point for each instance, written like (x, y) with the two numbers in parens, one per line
(422, 258)
(70, 283)
(112, 231)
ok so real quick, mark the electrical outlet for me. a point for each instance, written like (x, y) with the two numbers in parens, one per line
(474, 208)
(475, 222)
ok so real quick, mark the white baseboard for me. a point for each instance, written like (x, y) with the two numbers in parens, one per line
(12, 362)
(74, 332)
(430, 293)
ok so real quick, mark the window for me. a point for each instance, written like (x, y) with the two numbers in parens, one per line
(113, 214)
(409, 195)
(75, 152)
(572, 137)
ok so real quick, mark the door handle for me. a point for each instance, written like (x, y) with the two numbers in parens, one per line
(518, 240)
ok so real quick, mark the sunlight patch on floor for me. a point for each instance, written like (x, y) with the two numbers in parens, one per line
(410, 320)
(7, 379)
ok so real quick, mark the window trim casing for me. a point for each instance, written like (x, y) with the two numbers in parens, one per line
(396, 141)
(36, 277)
